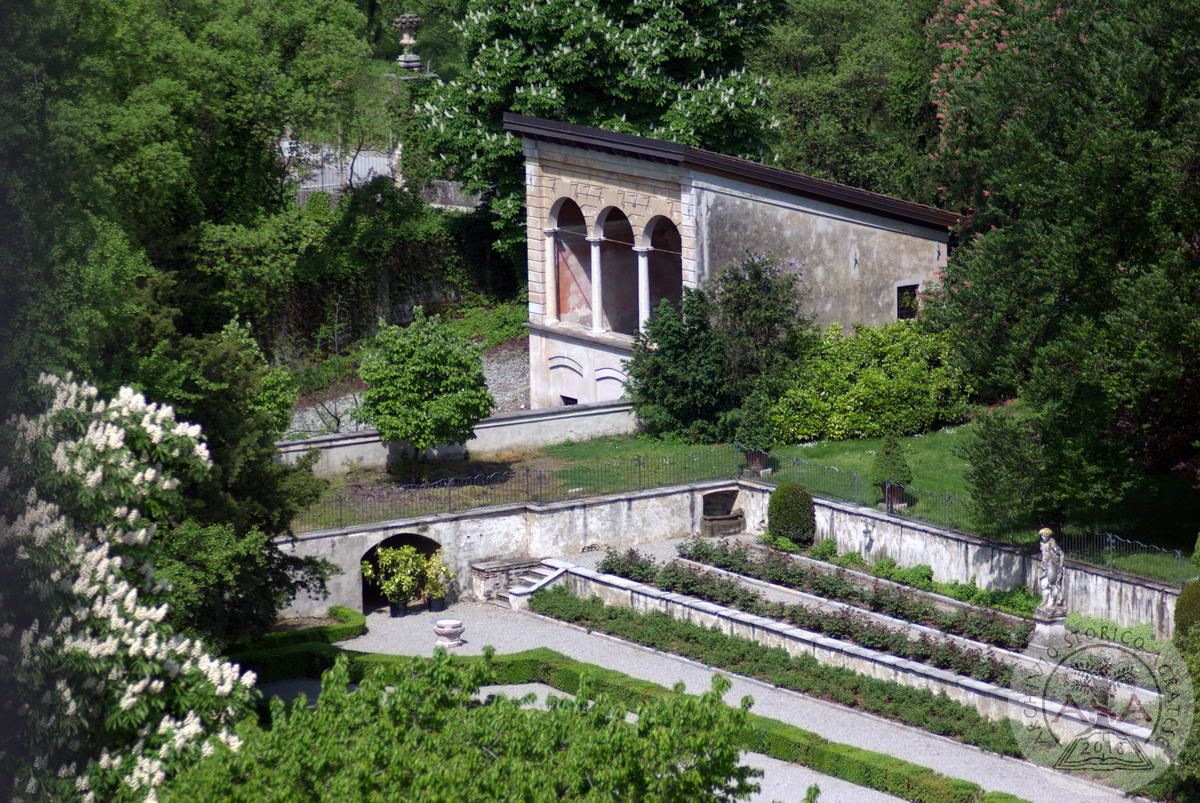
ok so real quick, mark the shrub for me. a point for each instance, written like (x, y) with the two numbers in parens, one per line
(399, 572)
(824, 549)
(630, 564)
(790, 514)
(1187, 608)
(755, 432)
(897, 378)
(890, 465)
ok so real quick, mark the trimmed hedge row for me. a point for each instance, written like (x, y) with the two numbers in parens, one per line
(920, 708)
(773, 738)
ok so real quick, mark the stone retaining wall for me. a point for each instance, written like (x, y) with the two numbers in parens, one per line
(959, 557)
(505, 433)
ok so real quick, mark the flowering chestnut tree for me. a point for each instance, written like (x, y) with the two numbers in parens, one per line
(661, 68)
(106, 700)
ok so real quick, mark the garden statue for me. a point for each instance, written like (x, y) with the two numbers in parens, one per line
(1050, 581)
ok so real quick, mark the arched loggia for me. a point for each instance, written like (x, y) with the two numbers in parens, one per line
(372, 599)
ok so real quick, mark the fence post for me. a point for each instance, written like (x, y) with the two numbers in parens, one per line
(449, 495)
(887, 495)
(637, 462)
(528, 486)
(341, 499)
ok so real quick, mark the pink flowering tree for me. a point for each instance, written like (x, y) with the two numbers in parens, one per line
(106, 700)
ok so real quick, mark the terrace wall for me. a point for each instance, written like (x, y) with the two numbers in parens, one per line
(960, 557)
(993, 702)
(505, 433)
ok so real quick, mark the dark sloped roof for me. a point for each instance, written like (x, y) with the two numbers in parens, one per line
(658, 150)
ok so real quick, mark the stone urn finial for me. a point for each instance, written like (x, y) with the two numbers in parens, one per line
(407, 25)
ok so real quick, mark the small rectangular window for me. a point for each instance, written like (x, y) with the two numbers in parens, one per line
(906, 301)
(568, 401)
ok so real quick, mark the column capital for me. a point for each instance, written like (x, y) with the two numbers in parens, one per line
(642, 249)
(551, 230)
(595, 240)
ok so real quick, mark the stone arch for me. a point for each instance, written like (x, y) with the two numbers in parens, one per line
(618, 264)
(371, 598)
(661, 236)
(572, 262)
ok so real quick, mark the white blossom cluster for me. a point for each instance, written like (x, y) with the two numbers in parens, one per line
(93, 659)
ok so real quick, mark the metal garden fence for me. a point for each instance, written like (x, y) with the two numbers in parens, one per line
(365, 504)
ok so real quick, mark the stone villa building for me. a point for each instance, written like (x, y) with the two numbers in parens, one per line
(616, 223)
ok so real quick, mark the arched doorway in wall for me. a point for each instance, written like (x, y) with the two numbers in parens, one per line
(666, 261)
(618, 263)
(372, 599)
(573, 263)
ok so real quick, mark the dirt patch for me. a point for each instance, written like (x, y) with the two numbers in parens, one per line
(302, 623)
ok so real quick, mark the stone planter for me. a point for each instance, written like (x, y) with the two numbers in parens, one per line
(449, 632)
(756, 460)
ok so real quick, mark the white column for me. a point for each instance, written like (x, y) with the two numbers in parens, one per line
(643, 259)
(597, 286)
(550, 277)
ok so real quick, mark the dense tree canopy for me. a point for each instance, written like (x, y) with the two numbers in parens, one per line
(416, 731)
(661, 67)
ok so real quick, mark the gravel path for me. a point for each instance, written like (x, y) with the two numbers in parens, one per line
(780, 780)
(508, 631)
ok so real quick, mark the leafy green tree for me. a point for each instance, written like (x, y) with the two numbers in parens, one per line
(755, 431)
(427, 735)
(758, 317)
(1010, 472)
(231, 575)
(889, 465)
(425, 386)
(653, 67)
(1070, 130)
(850, 84)
(677, 373)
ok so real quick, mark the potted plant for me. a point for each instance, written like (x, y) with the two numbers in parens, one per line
(891, 473)
(438, 579)
(755, 435)
(399, 573)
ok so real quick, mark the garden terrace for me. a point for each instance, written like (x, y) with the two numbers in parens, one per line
(579, 470)
(980, 653)
(927, 707)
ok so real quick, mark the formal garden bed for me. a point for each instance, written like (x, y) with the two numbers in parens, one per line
(973, 644)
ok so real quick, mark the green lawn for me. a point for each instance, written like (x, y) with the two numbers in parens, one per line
(837, 469)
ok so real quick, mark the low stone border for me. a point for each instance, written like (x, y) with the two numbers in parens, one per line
(993, 702)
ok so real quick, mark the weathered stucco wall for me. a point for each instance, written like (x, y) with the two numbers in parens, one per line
(566, 361)
(500, 434)
(959, 557)
(562, 528)
(851, 262)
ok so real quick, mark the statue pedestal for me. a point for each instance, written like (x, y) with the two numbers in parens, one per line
(1049, 640)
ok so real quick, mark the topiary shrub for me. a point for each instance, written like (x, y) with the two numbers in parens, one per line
(890, 465)
(790, 514)
(1187, 608)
